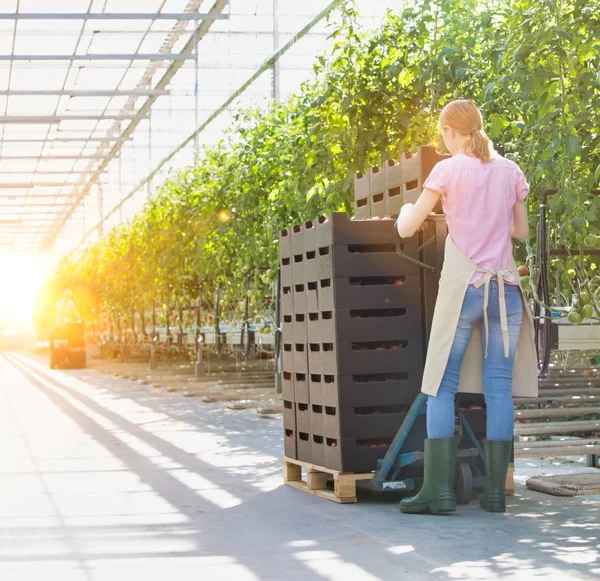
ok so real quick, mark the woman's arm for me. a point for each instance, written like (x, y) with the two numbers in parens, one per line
(520, 229)
(411, 216)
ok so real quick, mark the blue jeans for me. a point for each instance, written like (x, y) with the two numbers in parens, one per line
(497, 369)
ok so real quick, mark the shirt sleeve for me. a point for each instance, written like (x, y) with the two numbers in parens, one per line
(437, 180)
(521, 186)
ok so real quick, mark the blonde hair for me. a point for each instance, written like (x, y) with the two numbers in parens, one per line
(463, 116)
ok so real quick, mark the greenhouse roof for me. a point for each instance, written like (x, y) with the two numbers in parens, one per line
(95, 95)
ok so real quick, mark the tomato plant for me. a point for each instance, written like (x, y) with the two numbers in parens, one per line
(532, 65)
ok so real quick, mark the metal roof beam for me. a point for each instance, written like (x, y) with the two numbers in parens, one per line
(34, 196)
(159, 56)
(30, 186)
(51, 140)
(66, 172)
(200, 32)
(189, 16)
(52, 157)
(52, 119)
(85, 93)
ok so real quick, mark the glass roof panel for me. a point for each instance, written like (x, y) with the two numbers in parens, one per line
(96, 95)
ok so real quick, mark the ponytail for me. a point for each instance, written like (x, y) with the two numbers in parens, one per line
(464, 116)
(481, 146)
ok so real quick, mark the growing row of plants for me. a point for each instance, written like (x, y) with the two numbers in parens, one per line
(532, 65)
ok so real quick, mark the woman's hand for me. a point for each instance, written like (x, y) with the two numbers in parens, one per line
(412, 216)
(424, 225)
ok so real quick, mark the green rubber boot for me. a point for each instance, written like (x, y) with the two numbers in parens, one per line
(437, 493)
(497, 457)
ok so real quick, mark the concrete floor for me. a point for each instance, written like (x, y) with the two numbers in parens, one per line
(104, 479)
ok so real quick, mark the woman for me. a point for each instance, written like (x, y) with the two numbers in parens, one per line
(483, 196)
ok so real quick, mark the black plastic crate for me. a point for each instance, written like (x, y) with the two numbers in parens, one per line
(289, 443)
(285, 244)
(344, 357)
(383, 324)
(362, 193)
(301, 393)
(303, 445)
(360, 292)
(365, 260)
(287, 386)
(287, 272)
(303, 416)
(317, 418)
(312, 298)
(318, 450)
(393, 174)
(377, 186)
(316, 385)
(338, 229)
(287, 328)
(297, 240)
(300, 298)
(415, 170)
(299, 269)
(288, 356)
(366, 422)
(376, 180)
(300, 358)
(289, 414)
(349, 455)
(310, 236)
(300, 327)
(394, 202)
(314, 328)
(367, 389)
(433, 255)
(287, 300)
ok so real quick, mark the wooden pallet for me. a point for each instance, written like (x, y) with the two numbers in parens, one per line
(510, 480)
(344, 483)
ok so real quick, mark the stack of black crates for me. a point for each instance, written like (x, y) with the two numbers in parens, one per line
(355, 321)
(352, 340)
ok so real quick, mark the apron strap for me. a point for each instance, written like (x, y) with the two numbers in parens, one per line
(502, 275)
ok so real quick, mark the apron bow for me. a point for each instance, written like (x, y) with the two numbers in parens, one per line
(502, 275)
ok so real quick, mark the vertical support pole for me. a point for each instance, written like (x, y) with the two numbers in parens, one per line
(218, 320)
(278, 357)
(245, 335)
(199, 367)
(154, 338)
(149, 184)
(83, 212)
(276, 65)
(100, 211)
(143, 322)
(120, 188)
(169, 338)
(196, 101)
(180, 338)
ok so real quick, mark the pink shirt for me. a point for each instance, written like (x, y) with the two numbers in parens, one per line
(478, 200)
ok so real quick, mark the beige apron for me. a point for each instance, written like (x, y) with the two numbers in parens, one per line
(457, 272)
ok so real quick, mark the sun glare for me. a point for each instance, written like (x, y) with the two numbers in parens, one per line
(22, 277)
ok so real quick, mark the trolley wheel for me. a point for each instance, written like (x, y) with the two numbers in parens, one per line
(463, 483)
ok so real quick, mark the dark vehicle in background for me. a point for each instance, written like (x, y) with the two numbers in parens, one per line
(67, 347)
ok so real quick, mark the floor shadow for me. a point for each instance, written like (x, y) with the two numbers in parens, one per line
(285, 534)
